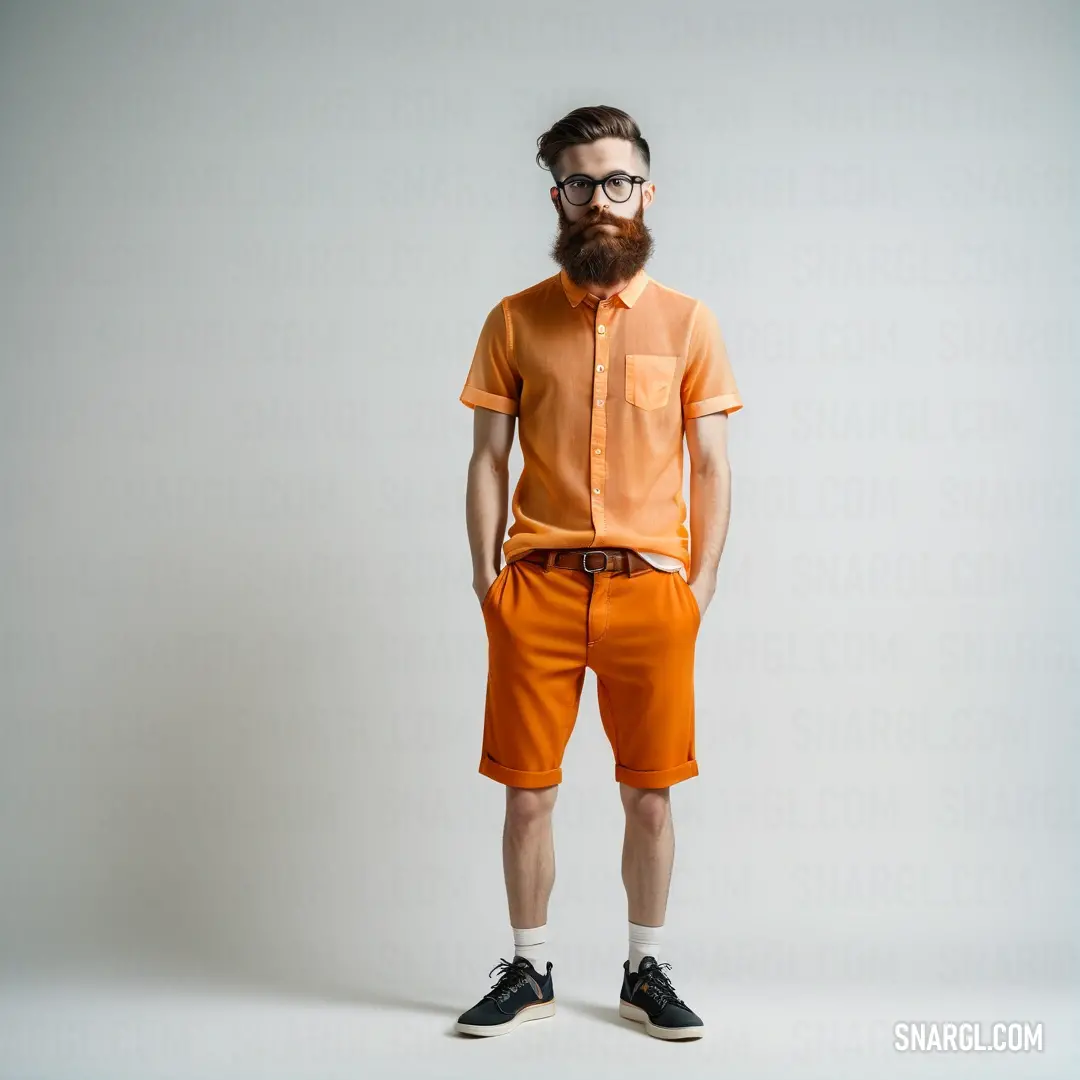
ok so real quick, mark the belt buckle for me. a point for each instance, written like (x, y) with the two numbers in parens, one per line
(585, 561)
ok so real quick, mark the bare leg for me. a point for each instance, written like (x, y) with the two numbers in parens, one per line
(648, 853)
(529, 854)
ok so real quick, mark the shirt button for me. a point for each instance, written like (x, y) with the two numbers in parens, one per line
(597, 450)
(597, 490)
(599, 367)
(600, 401)
(601, 329)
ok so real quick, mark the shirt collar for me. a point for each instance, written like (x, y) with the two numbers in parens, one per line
(575, 293)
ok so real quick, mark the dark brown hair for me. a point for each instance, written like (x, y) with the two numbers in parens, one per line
(586, 125)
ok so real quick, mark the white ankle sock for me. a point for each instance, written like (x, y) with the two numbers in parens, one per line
(644, 941)
(532, 944)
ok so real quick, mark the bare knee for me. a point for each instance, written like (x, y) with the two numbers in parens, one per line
(528, 807)
(648, 808)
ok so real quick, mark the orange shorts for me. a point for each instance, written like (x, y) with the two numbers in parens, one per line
(637, 631)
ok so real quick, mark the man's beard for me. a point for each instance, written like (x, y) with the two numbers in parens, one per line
(602, 258)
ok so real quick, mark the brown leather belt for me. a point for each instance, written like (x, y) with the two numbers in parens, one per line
(594, 560)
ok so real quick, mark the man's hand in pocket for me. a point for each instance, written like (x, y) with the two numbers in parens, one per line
(482, 586)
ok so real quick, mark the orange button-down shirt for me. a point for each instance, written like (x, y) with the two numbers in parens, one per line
(602, 390)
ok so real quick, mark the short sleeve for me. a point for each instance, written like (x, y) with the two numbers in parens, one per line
(708, 383)
(492, 381)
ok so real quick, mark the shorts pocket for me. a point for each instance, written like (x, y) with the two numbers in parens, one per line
(648, 379)
(491, 587)
(693, 598)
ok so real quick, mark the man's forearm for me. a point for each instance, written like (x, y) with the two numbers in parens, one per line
(710, 512)
(486, 494)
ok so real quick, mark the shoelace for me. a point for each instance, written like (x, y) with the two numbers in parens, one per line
(658, 987)
(510, 979)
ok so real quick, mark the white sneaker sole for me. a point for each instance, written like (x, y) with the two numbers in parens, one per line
(640, 1016)
(529, 1012)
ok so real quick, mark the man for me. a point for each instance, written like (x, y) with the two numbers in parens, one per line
(606, 369)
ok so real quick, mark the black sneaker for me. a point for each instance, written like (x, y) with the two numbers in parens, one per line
(520, 993)
(648, 997)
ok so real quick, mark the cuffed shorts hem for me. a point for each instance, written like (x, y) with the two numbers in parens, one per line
(657, 778)
(518, 777)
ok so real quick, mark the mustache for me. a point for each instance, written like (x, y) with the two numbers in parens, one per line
(598, 219)
(575, 232)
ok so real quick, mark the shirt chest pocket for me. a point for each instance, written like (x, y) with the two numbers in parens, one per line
(648, 379)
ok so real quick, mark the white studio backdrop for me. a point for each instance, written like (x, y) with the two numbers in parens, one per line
(247, 252)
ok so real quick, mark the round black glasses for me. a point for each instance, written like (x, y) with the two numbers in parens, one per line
(578, 189)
